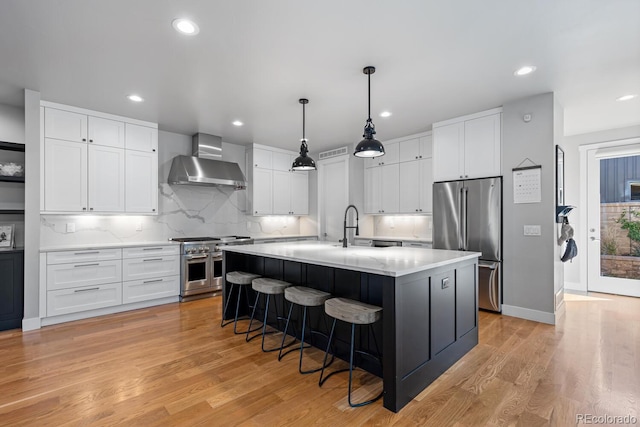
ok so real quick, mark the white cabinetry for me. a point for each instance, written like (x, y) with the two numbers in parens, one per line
(105, 179)
(468, 147)
(85, 283)
(391, 156)
(150, 273)
(95, 162)
(403, 182)
(274, 189)
(141, 181)
(65, 176)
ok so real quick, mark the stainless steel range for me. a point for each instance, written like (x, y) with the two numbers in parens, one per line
(201, 268)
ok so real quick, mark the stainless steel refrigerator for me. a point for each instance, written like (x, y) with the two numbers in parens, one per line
(467, 215)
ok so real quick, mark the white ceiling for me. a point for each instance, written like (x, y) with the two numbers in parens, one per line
(253, 59)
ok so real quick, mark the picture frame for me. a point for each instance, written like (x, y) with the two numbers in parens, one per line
(7, 235)
(560, 194)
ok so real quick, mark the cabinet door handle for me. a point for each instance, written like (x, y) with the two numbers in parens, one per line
(152, 259)
(90, 209)
(153, 210)
(86, 252)
(91, 140)
(86, 290)
(153, 281)
(87, 265)
(84, 209)
(151, 249)
(84, 139)
(154, 150)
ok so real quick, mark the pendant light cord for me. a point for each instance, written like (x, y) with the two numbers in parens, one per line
(369, 98)
(303, 124)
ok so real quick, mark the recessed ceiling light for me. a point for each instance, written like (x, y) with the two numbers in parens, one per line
(135, 98)
(385, 114)
(523, 71)
(237, 123)
(185, 26)
(626, 97)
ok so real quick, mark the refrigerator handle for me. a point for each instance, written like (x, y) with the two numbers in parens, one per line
(461, 216)
(463, 219)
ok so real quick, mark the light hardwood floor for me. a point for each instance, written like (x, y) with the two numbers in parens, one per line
(174, 365)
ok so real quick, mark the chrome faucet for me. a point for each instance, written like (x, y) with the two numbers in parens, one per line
(344, 235)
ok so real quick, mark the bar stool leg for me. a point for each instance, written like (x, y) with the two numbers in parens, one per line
(284, 334)
(253, 314)
(324, 362)
(226, 305)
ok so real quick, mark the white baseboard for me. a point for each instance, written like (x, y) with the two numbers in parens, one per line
(529, 314)
(576, 292)
(31, 324)
(575, 286)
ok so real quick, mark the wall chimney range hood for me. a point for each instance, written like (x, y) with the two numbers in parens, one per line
(205, 166)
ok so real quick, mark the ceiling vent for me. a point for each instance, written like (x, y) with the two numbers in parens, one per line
(334, 153)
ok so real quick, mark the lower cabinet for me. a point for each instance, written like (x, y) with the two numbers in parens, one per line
(67, 301)
(85, 280)
(443, 310)
(11, 289)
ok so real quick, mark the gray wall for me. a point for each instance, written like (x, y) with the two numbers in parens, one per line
(529, 261)
(11, 124)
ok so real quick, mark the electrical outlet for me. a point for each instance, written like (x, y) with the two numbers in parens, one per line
(139, 226)
(532, 230)
(71, 227)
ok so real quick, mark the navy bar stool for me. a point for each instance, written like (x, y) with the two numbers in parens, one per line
(305, 298)
(355, 313)
(241, 279)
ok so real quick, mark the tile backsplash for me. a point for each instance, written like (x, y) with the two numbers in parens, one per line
(184, 211)
(416, 226)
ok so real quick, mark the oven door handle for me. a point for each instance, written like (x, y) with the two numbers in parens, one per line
(197, 257)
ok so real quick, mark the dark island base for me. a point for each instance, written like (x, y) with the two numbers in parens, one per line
(430, 318)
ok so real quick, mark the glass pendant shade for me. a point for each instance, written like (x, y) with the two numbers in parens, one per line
(303, 162)
(369, 146)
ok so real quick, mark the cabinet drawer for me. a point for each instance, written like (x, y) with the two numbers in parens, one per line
(67, 301)
(148, 289)
(82, 274)
(83, 255)
(150, 267)
(150, 251)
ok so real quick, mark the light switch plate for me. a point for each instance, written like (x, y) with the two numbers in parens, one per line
(532, 230)
(71, 227)
(139, 226)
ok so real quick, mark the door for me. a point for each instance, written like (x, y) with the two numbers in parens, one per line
(613, 202)
(65, 176)
(333, 196)
(482, 147)
(106, 132)
(281, 192)
(262, 191)
(299, 193)
(425, 186)
(141, 138)
(448, 152)
(390, 184)
(373, 190)
(447, 201)
(141, 177)
(106, 179)
(483, 218)
(409, 182)
(65, 125)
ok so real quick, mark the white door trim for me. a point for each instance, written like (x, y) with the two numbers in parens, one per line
(583, 214)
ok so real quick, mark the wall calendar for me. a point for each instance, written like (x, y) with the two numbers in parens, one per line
(527, 184)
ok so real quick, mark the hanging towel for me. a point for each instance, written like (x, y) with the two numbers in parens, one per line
(571, 251)
(566, 233)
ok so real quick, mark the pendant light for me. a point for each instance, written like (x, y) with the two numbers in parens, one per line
(369, 146)
(303, 162)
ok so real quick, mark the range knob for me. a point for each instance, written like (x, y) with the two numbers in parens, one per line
(201, 250)
(190, 251)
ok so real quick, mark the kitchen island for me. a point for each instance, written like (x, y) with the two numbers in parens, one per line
(429, 299)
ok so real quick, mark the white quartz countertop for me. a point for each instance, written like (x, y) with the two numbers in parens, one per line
(86, 246)
(397, 239)
(285, 236)
(392, 261)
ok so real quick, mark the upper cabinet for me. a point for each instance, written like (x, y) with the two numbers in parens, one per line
(468, 147)
(273, 188)
(98, 163)
(402, 182)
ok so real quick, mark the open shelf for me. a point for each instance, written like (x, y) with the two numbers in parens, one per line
(4, 178)
(11, 146)
(11, 211)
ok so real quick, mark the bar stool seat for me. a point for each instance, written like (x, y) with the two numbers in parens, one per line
(305, 298)
(242, 279)
(355, 313)
(268, 287)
